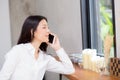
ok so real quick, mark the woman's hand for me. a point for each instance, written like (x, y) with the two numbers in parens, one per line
(56, 44)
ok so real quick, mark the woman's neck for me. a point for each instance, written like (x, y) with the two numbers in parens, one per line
(36, 45)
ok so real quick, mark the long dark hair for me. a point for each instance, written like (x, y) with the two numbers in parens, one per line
(31, 23)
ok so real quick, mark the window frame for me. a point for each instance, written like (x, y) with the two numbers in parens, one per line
(89, 20)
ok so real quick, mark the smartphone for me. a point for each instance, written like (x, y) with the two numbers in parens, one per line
(51, 38)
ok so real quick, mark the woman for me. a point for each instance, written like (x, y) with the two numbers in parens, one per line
(28, 59)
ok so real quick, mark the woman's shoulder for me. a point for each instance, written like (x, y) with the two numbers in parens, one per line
(22, 46)
(17, 47)
(14, 50)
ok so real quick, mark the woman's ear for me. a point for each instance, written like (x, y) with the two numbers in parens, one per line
(31, 31)
(32, 35)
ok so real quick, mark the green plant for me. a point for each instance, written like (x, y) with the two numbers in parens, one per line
(105, 22)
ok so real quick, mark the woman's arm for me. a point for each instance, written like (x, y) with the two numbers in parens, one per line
(64, 66)
(11, 60)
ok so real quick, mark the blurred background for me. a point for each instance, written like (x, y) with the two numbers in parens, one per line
(80, 24)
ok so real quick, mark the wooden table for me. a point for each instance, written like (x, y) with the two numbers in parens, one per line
(82, 74)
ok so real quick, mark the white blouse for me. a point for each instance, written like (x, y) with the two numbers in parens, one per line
(20, 64)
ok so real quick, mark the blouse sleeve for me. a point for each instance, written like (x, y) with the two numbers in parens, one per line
(64, 66)
(11, 60)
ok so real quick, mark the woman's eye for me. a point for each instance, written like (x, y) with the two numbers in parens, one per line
(44, 27)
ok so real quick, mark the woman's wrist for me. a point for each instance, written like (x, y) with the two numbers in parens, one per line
(56, 49)
(59, 50)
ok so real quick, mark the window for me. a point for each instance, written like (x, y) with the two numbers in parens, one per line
(98, 26)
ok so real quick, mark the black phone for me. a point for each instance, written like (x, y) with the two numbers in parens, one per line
(51, 38)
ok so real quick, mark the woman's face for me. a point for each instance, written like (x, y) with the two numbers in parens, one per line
(42, 31)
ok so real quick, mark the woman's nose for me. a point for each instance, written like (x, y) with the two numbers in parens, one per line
(48, 30)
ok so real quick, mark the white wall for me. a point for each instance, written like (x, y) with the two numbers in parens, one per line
(64, 19)
(19, 10)
(5, 35)
(117, 25)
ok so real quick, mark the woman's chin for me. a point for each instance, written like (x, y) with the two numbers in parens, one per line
(46, 41)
